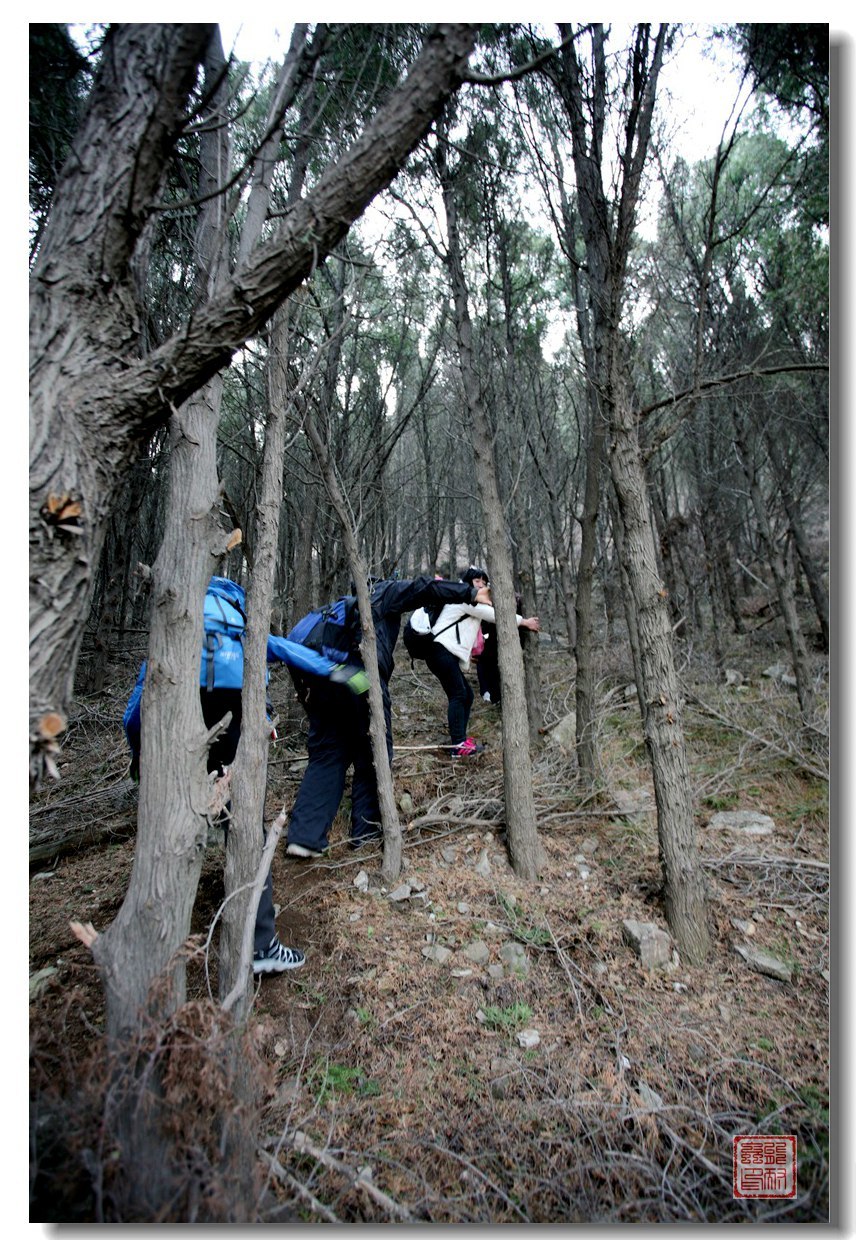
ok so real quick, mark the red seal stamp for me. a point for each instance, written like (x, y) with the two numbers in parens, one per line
(765, 1167)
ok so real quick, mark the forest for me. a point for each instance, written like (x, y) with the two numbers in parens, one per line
(403, 300)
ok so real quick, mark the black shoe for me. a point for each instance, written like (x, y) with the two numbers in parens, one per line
(277, 958)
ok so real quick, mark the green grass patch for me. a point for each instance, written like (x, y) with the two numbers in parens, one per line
(507, 1017)
(326, 1080)
(523, 928)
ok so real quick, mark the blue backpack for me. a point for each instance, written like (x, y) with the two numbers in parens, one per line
(222, 663)
(225, 620)
(333, 631)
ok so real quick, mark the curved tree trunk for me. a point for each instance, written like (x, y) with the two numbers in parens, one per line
(93, 399)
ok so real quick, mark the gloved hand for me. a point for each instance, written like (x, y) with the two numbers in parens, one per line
(354, 677)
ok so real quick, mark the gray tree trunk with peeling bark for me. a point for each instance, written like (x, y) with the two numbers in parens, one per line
(524, 846)
(594, 306)
(526, 557)
(249, 769)
(607, 228)
(684, 884)
(94, 400)
(242, 878)
(143, 942)
(368, 650)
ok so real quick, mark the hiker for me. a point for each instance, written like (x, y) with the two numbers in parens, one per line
(445, 641)
(487, 662)
(221, 676)
(339, 723)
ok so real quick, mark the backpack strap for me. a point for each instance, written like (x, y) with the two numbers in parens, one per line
(210, 646)
(454, 624)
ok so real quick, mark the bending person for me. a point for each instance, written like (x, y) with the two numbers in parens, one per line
(445, 642)
(339, 724)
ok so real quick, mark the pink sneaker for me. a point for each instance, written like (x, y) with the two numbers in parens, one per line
(467, 748)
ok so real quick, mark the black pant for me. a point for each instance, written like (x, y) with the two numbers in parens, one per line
(487, 665)
(216, 703)
(338, 739)
(447, 669)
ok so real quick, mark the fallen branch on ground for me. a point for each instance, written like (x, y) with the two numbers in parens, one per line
(316, 1206)
(739, 859)
(359, 1179)
(798, 759)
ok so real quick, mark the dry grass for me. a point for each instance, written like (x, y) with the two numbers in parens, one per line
(391, 1099)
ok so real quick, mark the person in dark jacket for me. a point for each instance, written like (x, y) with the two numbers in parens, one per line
(339, 725)
(487, 664)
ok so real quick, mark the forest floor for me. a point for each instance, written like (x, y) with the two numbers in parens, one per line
(565, 1084)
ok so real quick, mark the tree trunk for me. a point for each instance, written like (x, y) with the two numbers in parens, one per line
(173, 803)
(154, 920)
(586, 707)
(529, 607)
(784, 585)
(795, 524)
(523, 842)
(303, 584)
(627, 598)
(608, 230)
(249, 770)
(368, 650)
(531, 654)
(684, 886)
(139, 955)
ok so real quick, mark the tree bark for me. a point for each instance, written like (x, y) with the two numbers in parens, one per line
(368, 649)
(141, 946)
(608, 230)
(154, 920)
(816, 587)
(523, 843)
(784, 585)
(249, 770)
(586, 747)
(684, 886)
(531, 659)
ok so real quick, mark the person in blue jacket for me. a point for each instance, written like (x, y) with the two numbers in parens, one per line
(221, 678)
(339, 724)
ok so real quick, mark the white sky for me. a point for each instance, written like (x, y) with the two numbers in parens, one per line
(704, 91)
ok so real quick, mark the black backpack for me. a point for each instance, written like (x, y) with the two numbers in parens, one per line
(418, 644)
